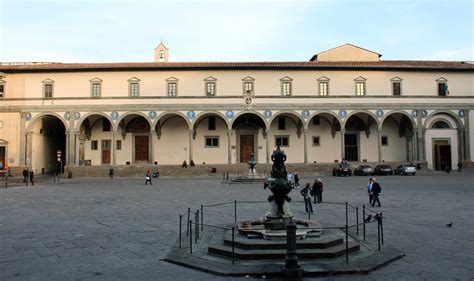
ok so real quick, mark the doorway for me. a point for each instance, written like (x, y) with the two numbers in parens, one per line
(246, 147)
(141, 149)
(2, 156)
(106, 151)
(351, 148)
(442, 155)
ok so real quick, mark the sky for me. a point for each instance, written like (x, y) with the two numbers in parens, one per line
(257, 30)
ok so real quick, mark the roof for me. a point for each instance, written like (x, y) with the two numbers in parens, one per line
(314, 58)
(408, 65)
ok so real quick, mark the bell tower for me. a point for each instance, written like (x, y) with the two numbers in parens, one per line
(161, 53)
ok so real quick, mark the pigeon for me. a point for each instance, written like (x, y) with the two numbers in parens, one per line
(368, 218)
(449, 224)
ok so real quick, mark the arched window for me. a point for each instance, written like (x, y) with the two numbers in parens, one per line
(440, 125)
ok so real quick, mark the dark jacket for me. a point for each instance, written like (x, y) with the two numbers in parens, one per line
(376, 188)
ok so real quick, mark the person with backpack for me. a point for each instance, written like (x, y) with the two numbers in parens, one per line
(376, 190)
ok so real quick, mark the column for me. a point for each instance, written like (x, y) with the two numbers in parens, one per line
(343, 152)
(22, 139)
(68, 147)
(423, 139)
(267, 143)
(76, 148)
(379, 143)
(191, 132)
(460, 145)
(420, 136)
(305, 134)
(150, 146)
(70, 141)
(114, 148)
(28, 148)
(467, 141)
(229, 147)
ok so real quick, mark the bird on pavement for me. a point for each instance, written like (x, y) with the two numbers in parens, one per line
(449, 224)
(368, 218)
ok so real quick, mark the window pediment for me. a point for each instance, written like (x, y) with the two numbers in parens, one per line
(360, 79)
(396, 79)
(323, 79)
(441, 80)
(133, 79)
(286, 78)
(210, 79)
(96, 80)
(248, 78)
(172, 79)
(48, 81)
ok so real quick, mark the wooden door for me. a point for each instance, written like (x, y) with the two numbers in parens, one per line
(141, 149)
(106, 152)
(246, 147)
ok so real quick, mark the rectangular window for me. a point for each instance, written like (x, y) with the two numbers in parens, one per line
(105, 125)
(212, 141)
(134, 89)
(397, 88)
(317, 120)
(210, 88)
(96, 89)
(212, 123)
(172, 89)
(360, 88)
(2, 90)
(384, 140)
(283, 141)
(286, 88)
(48, 90)
(323, 88)
(248, 87)
(281, 123)
(316, 140)
(118, 145)
(442, 89)
(94, 145)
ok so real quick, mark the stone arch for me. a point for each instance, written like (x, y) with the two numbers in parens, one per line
(441, 117)
(231, 124)
(89, 114)
(165, 114)
(288, 112)
(355, 112)
(41, 115)
(412, 121)
(130, 113)
(205, 114)
(453, 116)
(320, 112)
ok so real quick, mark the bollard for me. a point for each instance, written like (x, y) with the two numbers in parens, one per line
(347, 244)
(180, 220)
(187, 227)
(190, 238)
(202, 218)
(233, 247)
(381, 226)
(196, 228)
(235, 210)
(357, 220)
(291, 269)
(363, 220)
(378, 233)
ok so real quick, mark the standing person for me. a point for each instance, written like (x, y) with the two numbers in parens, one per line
(297, 180)
(305, 192)
(376, 190)
(25, 175)
(32, 175)
(318, 190)
(148, 178)
(369, 191)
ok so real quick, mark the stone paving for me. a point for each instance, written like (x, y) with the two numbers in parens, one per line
(120, 229)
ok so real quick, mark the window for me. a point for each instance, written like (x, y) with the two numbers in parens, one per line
(105, 125)
(94, 145)
(281, 123)
(248, 85)
(133, 87)
(286, 86)
(118, 145)
(442, 87)
(440, 125)
(360, 86)
(316, 140)
(397, 88)
(48, 90)
(212, 123)
(317, 120)
(212, 141)
(171, 87)
(323, 88)
(211, 88)
(96, 87)
(2, 89)
(282, 141)
(385, 140)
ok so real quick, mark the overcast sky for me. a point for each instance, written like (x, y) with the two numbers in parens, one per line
(257, 30)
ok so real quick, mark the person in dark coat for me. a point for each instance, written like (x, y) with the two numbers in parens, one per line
(376, 190)
(32, 176)
(318, 190)
(297, 180)
(25, 175)
(148, 177)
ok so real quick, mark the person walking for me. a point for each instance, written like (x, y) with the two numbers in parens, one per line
(318, 190)
(376, 190)
(297, 180)
(305, 192)
(369, 191)
(148, 178)
(32, 176)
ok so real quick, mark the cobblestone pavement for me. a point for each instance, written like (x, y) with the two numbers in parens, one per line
(120, 229)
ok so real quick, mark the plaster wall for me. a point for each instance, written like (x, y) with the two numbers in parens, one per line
(441, 134)
(211, 155)
(10, 137)
(396, 148)
(173, 147)
(329, 148)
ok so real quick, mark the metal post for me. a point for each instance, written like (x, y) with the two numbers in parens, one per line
(381, 227)
(227, 175)
(357, 220)
(363, 219)
(187, 227)
(197, 224)
(235, 210)
(347, 235)
(309, 213)
(291, 269)
(196, 228)
(378, 232)
(190, 238)
(202, 217)
(233, 246)
(180, 220)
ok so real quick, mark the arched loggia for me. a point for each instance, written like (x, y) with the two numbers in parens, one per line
(250, 133)
(287, 130)
(361, 137)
